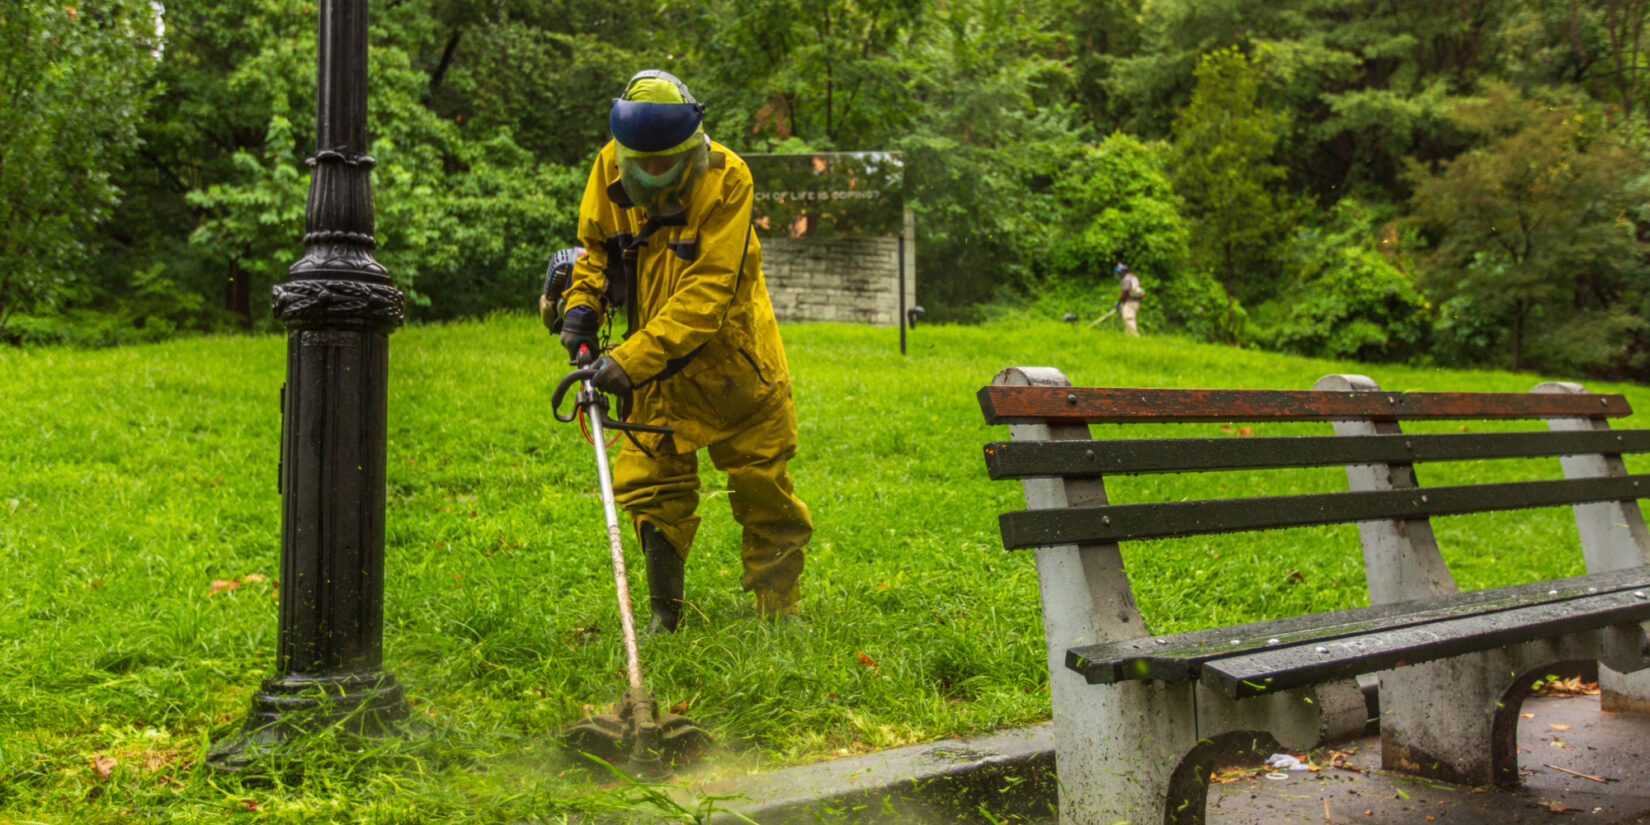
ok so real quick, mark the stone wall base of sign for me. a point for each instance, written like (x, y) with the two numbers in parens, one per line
(837, 279)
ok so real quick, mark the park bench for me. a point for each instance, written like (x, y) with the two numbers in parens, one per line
(1140, 719)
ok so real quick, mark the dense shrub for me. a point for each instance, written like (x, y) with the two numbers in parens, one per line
(1118, 206)
(1115, 206)
(1343, 297)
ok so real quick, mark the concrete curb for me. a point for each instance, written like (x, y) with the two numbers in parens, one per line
(1003, 774)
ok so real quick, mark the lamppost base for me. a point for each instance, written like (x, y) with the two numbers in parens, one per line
(286, 708)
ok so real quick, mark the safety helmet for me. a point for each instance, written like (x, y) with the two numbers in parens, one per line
(658, 132)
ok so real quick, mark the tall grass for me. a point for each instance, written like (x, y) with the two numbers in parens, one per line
(132, 479)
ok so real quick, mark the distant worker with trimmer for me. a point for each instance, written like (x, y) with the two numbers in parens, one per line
(1128, 299)
(666, 227)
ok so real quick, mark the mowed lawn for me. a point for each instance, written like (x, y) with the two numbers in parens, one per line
(133, 479)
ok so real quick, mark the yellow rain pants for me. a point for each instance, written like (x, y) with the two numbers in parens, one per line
(664, 490)
(705, 359)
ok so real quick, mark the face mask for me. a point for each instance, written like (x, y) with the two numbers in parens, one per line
(668, 189)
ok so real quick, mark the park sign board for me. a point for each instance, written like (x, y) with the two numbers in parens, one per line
(829, 194)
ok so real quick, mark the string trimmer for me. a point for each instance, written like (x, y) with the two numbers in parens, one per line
(639, 732)
(1096, 322)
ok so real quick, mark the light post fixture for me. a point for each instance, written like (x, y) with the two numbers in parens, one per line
(339, 306)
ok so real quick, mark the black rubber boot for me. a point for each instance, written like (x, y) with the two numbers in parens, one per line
(664, 580)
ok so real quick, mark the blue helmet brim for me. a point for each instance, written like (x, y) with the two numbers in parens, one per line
(644, 126)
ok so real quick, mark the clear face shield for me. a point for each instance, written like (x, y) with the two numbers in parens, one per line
(663, 182)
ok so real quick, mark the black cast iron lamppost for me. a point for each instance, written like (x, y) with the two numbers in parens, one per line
(339, 306)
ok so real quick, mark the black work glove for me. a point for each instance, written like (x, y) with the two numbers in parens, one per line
(610, 377)
(579, 326)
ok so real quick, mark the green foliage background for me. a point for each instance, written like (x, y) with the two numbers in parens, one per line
(1454, 182)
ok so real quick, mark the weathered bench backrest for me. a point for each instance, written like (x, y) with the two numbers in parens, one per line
(1225, 515)
(1110, 523)
(1049, 421)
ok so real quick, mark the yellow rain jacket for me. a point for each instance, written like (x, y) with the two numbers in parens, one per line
(705, 357)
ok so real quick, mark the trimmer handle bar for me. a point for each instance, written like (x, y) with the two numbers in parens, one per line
(596, 402)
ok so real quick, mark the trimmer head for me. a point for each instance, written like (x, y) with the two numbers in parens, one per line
(638, 738)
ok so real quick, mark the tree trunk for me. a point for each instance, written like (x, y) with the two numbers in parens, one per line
(237, 294)
(1518, 337)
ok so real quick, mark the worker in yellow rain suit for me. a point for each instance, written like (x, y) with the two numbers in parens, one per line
(666, 218)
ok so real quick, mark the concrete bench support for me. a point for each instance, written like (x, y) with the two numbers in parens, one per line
(1454, 719)
(1613, 537)
(1140, 751)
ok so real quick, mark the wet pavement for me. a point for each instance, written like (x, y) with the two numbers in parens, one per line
(1579, 765)
(1558, 739)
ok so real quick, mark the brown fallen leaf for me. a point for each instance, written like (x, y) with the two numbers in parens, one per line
(1526, 716)
(220, 585)
(1557, 726)
(1233, 775)
(1572, 686)
(679, 708)
(1245, 431)
(1559, 743)
(866, 660)
(103, 765)
(254, 578)
(248, 805)
(582, 635)
(1556, 807)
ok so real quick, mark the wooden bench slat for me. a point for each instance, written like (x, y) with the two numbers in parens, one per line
(1129, 522)
(1268, 671)
(1029, 459)
(1077, 405)
(1179, 657)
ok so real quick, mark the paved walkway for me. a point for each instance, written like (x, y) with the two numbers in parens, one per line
(1569, 734)
(1006, 777)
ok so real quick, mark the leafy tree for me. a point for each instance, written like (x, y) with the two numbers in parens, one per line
(1099, 34)
(1121, 208)
(1624, 24)
(550, 89)
(464, 223)
(1221, 164)
(1535, 226)
(987, 138)
(227, 72)
(72, 92)
(828, 74)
